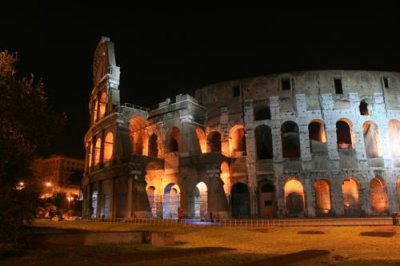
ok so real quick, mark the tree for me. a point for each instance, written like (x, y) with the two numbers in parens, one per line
(26, 124)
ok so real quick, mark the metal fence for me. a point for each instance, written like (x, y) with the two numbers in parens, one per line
(253, 222)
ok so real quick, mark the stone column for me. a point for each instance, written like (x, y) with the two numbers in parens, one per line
(216, 199)
(99, 199)
(337, 204)
(129, 198)
(391, 191)
(304, 143)
(309, 194)
(140, 202)
(111, 210)
(332, 140)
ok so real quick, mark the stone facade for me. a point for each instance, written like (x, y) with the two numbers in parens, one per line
(303, 144)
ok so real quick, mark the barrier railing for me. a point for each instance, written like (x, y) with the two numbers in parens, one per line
(252, 222)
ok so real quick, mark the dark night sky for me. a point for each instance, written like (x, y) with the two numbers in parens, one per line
(162, 53)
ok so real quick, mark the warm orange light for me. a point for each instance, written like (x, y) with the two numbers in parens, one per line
(108, 146)
(350, 192)
(48, 184)
(202, 140)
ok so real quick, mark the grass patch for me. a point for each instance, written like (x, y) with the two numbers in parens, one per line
(212, 245)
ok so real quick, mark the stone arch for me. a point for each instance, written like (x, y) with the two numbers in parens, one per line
(214, 141)
(171, 201)
(90, 154)
(174, 143)
(137, 124)
(153, 146)
(343, 134)
(290, 140)
(108, 146)
(294, 197)
(97, 151)
(317, 136)
(94, 110)
(394, 137)
(378, 195)
(263, 138)
(238, 140)
(240, 200)
(201, 136)
(322, 197)
(152, 200)
(225, 177)
(199, 202)
(102, 104)
(372, 140)
(351, 196)
(267, 199)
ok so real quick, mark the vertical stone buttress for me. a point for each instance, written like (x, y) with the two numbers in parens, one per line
(251, 152)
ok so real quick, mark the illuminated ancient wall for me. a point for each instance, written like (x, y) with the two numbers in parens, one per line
(315, 143)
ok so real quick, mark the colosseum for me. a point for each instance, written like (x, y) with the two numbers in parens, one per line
(302, 144)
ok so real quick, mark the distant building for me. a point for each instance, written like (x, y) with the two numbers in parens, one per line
(59, 174)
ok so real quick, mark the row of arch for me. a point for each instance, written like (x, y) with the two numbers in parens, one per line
(167, 204)
(101, 149)
(290, 137)
(263, 111)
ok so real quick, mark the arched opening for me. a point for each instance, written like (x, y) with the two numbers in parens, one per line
(290, 140)
(322, 197)
(262, 112)
(171, 201)
(263, 142)
(90, 153)
(153, 146)
(240, 201)
(267, 200)
(294, 198)
(214, 141)
(363, 108)
(394, 137)
(225, 177)
(152, 200)
(201, 136)
(351, 197)
(371, 140)
(137, 125)
(343, 135)
(317, 136)
(238, 143)
(198, 201)
(174, 140)
(93, 197)
(108, 147)
(94, 110)
(102, 104)
(97, 150)
(378, 196)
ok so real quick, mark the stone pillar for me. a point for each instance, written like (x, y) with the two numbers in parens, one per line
(391, 191)
(337, 198)
(99, 199)
(216, 198)
(304, 143)
(365, 202)
(140, 202)
(309, 194)
(385, 145)
(332, 140)
(111, 211)
(129, 198)
(224, 124)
